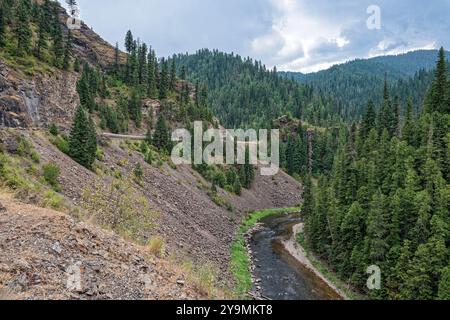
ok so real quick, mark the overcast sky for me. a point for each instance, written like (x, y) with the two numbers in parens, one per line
(296, 35)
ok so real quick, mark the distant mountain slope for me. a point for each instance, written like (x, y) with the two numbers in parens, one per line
(396, 67)
(352, 84)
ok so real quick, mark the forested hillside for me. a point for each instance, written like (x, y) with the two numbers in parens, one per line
(386, 201)
(243, 92)
(353, 83)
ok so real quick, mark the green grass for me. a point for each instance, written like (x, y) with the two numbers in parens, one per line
(240, 259)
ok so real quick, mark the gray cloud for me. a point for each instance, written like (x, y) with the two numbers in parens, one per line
(293, 34)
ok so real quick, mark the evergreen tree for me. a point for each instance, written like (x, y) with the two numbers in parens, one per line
(173, 74)
(42, 42)
(387, 115)
(83, 139)
(439, 87)
(2, 26)
(135, 109)
(142, 64)
(237, 187)
(369, 120)
(22, 28)
(68, 52)
(409, 128)
(76, 65)
(300, 157)
(129, 42)
(444, 285)
(152, 89)
(58, 44)
(161, 137)
(165, 81)
(183, 72)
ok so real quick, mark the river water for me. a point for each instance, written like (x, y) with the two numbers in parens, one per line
(282, 276)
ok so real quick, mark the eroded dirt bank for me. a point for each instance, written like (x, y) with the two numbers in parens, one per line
(41, 252)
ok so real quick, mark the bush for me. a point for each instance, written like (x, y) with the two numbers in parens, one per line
(52, 200)
(51, 174)
(138, 172)
(54, 130)
(157, 246)
(24, 147)
(62, 143)
(99, 154)
(35, 157)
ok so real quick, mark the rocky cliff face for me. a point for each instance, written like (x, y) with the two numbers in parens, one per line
(38, 100)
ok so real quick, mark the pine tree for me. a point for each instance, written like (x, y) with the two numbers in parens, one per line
(83, 139)
(247, 172)
(165, 81)
(439, 87)
(376, 229)
(42, 42)
(152, 90)
(134, 108)
(161, 137)
(352, 231)
(395, 124)
(132, 73)
(308, 198)
(237, 187)
(409, 128)
(22, 28)
(76, 65)
(129, 42)
(183, 72)
(142, 64)
(173, 74)
(71, 3)
(444, 285)
(369, 120)
(290, 149)
(2, 26)
(300, 156)
(58, 45)
(387, 118)
(68, 52)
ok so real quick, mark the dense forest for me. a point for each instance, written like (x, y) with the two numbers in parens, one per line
(386, 201)
(30, 31)
(244, 93)
(353, 83)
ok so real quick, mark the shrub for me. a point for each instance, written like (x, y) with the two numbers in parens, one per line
(62, 143)
(35, 157)
(157, 246)
(138, 172)
(51, 174)
(54, 130)
(99, 154)
(52, 200)
(24, 147)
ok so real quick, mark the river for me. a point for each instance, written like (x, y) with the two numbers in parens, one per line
(280, 275)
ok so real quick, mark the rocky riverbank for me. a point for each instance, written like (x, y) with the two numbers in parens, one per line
(300, 254)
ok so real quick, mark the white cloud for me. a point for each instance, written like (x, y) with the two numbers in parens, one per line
(342, 42)
(310, 36)
(296, 32)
